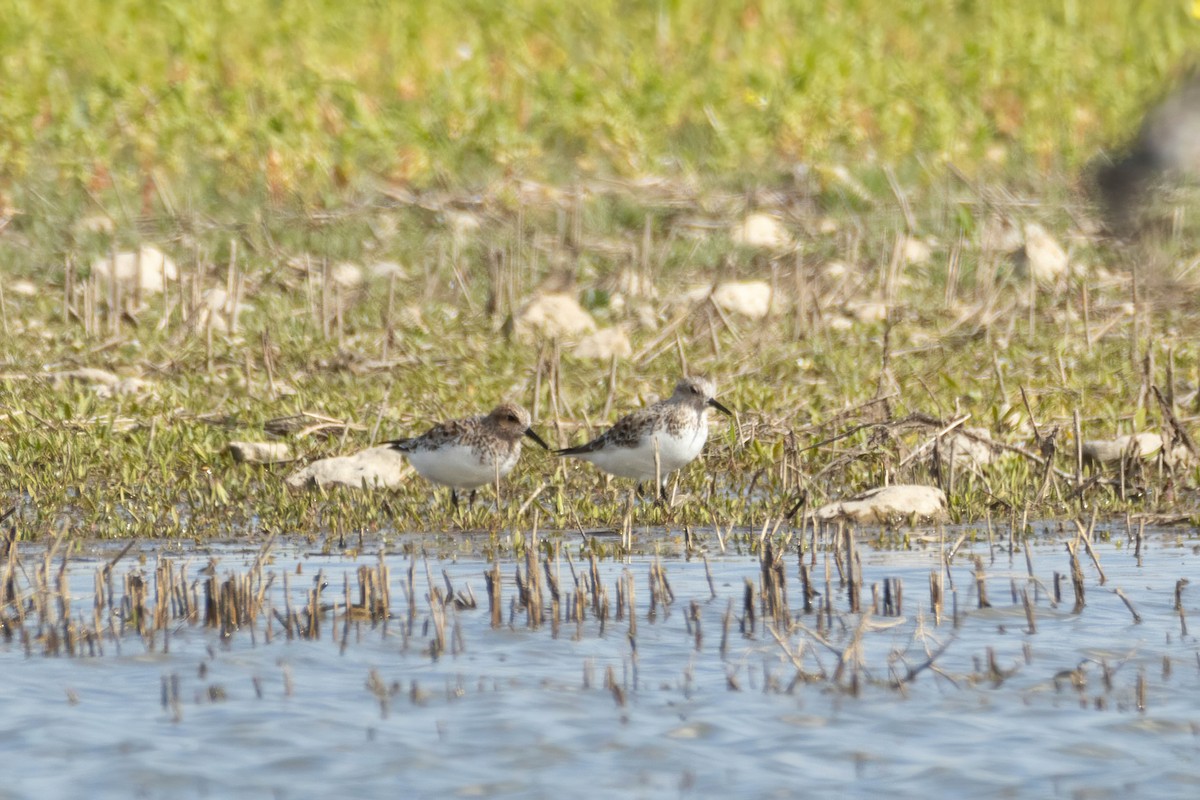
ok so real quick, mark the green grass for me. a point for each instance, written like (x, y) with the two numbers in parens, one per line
(207, 104)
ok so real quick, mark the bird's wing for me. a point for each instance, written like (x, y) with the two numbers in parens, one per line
(442, 432)
(626, 432)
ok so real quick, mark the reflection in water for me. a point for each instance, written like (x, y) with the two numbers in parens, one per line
(656, 677)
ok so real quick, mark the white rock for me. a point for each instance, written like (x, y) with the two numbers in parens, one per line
(645, 316)
(836, 269)
(103, 382)
(604, 345)
(148, 266)
(634, 284)
(89, 375)
(22, 288)
(214, 305)
(749, 298)
(1045, 260)
(385, 270)
(124, 387)
(761, 230)
(260, 452)
(888, 503)
(95, 223)
(463, 223)
(346, 275)
(917, 251)
(554, 316)
(376, 467)
(868, 311)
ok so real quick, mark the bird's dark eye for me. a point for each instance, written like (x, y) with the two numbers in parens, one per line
(512, 418)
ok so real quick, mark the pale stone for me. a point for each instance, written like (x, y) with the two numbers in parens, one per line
(214, 306)
(1045, 260)
(749, 298)
(888, 503)
(89, 375)
(123, 388)
(22, 288)
(462, 224)
(836, 270)
(376, 467)
(260, 452)
(148, 267)
(95, 223)
(386, 270)
(103, 382)
(346, 275)
(554, 316)
(645, 316)
(635, 284)
(868, 311)
(604, 345)
(761, 230)
(917, 251)
(838, 322)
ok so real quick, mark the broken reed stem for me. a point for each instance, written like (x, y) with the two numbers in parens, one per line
(853, 577)
(1076, 578)
(981, 584)
(1137, 618)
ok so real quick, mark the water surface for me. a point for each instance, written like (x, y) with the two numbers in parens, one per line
(1092, 704)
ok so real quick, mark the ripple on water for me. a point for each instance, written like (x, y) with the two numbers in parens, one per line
(522, 713)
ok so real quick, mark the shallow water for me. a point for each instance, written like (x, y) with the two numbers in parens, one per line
(525, 713)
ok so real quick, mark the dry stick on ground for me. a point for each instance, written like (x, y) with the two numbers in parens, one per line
(1178, 432)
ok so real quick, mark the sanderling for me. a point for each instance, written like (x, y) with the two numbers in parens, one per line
(469, 453)
(677, 427)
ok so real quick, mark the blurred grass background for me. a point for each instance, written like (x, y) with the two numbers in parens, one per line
(237, 98)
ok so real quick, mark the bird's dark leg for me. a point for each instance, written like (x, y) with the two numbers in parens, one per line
(471, 500)
(454, 497)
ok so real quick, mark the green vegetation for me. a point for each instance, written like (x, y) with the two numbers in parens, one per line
(213, 102)
(261, 145)
(824, 394)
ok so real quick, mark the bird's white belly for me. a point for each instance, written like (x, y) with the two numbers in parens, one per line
(638, 462)
(458, 466)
